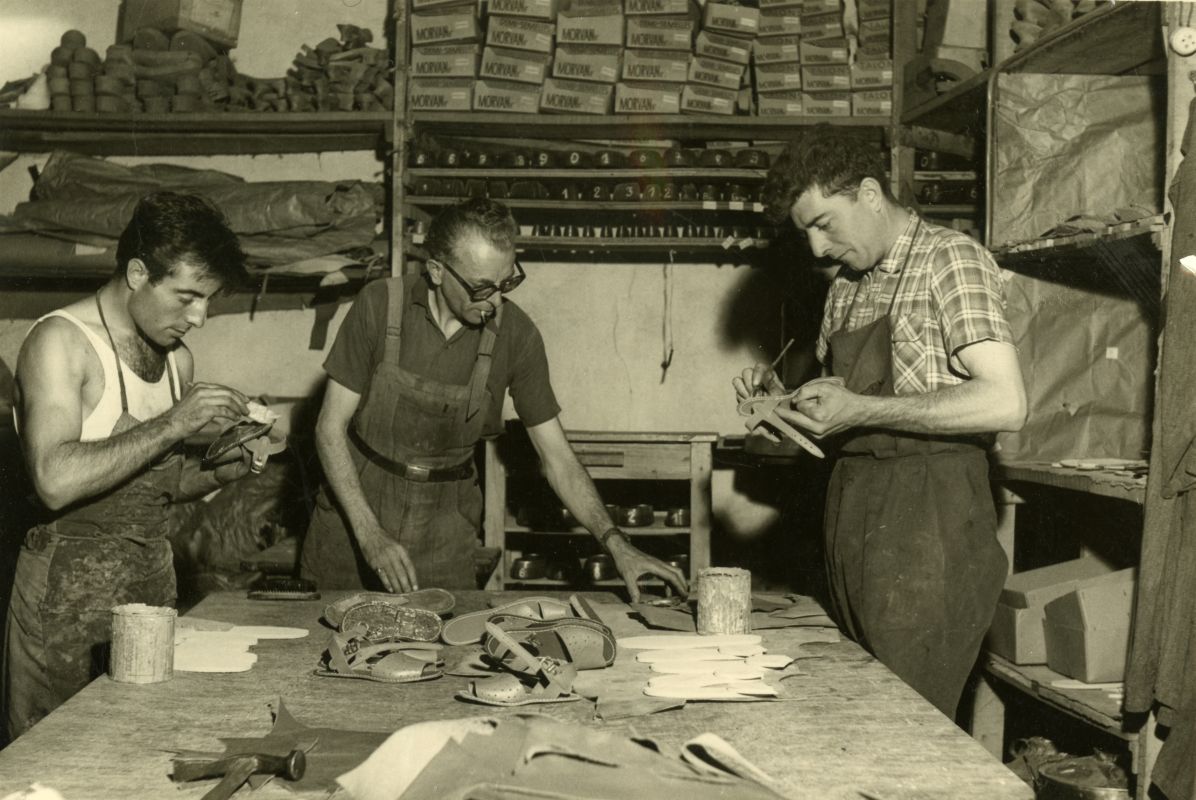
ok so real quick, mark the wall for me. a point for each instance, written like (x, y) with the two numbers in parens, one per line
(602, 323)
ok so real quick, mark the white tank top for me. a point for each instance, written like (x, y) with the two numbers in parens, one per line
(146, 400)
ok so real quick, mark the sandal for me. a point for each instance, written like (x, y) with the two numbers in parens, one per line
(552, 679)
(584, 643)
(468, 628)
(385, 662)
(439, 601)
(380, 619)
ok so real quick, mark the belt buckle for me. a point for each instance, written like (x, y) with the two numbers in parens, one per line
(417, 472)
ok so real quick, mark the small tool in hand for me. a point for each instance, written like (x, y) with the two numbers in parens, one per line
(759, 390)
(235, 770)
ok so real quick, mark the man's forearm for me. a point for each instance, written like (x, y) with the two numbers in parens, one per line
(333, 447)
(971, 407)
(74, 471)
(573, 485)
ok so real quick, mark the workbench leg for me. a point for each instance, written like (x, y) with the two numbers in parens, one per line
(494, 517)
(1007, 503)
(701, 465)
(988, 718)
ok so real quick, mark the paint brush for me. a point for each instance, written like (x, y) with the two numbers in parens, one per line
(773, 366)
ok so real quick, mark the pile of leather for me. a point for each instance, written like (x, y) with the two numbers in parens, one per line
(1033, 19)
(157, 72)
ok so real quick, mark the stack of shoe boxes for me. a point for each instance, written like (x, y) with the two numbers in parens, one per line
(659, 45)
(444, 55)
(517, 57)
(825, 74)
(722, 50)
(872, 73)
(775, 59)
(588, 34)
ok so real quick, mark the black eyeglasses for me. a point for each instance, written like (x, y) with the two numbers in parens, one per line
(479, 293)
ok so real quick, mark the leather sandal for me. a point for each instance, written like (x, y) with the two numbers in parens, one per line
(379, 620)
(584, 643)
(438, 601)
(468, 628)
(385, 662)
(551, 681)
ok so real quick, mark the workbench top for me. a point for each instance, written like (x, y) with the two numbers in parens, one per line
(848, 728)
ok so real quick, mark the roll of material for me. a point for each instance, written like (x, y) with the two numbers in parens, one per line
(79, 71)
(724, 600)
(142, 643)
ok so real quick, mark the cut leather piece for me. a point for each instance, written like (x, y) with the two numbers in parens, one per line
(684, 655)
(378, 619)
(742, 650)
(386, 662)
(712, 754)
(770, 660)
(691, 641)
(234, 436)
(763, 411)
(468, 628)
(725, 670)
(438, 601)
(584, 643)
(703, 687)
(551, 681)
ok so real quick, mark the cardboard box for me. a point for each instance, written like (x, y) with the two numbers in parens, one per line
(713, 72)
(1016, 632)
(575, 97)
(656, 65)
(459, 24)
(877, 73)
(874, 9)
(660, 33)
(518, 98)
(825, 51)
(732, 20)
(826, 104)
(534, 9)
(826, 77)
(777, 50)
(697, 99)
(780, 22)
(780, 4)
(777, 78)
(658, 8)
(441, 94)
(726, 48)
(445, 61)
(876, 35)
(1087, 630)
(514, 65)
(647, 98)
(822, 6)
(520, 34)
(600, 64)
(822, 26)
(596, 29)
(421, 5)
(955, 23)
(781, 104)
(217, 20)
(872, 103)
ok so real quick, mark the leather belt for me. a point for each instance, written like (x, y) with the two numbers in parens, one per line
(413, 472)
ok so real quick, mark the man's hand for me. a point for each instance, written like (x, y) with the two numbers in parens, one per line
(633, 562)
(388, 559)
(823, 407)
(203, 403)
(755, 378)
(233, 467)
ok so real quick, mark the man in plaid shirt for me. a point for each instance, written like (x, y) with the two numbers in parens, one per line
(920, 371)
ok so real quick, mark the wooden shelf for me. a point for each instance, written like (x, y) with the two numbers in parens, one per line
(1092, 706)
(1087, 481)
(657, 528)
(534, 173)
(1123, 246)
(626, 126)
(608, 582)
(528, 245)
(945, 175)
(603, 205)
(193, 133)
(945, 210)
(960, 109)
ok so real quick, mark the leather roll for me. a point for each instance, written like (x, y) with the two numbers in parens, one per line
(668, 192)
(150, 39)
(109, 104)
(82, 87)
(85, 55)
(449, 158)
(626, 191)
(611, 159)
(637, 516)
(157, 104)
(79, 71)
(59, 86)
(577, 159)
(186, 84)
(600, 567)
(645, 159)
(751, 159)
(56, 72)
(715, 158)
(122, 53)
(152, 88)
(61, 102)
(107, 85)
(738, 192)
(677, 157)
(73, 39)
(652, 192)
(709, 192)
(687, 191)
(598, 191)
(83, 102)
(61, 56)
(124, 73)
(529, 567)
(568, 191)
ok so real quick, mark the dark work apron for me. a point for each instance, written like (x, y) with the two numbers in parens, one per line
(105, 552)
(416, 421)
(913, 562)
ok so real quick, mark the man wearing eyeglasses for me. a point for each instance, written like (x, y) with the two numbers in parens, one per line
(416, 377)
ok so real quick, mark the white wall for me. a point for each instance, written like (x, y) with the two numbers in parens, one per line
(602, 322)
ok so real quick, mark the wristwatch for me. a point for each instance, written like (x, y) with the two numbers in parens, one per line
(604, 538)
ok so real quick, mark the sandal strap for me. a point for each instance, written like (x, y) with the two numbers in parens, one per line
(556, 676)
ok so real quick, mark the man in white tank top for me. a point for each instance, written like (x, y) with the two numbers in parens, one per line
(104, 398)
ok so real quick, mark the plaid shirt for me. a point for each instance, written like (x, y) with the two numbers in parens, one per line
(948, 296)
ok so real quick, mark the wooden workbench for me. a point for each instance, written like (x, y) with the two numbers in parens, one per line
(848, 728)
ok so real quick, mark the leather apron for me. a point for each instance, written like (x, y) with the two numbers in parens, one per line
(413, 420)
(71, 571)
(913, 563)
